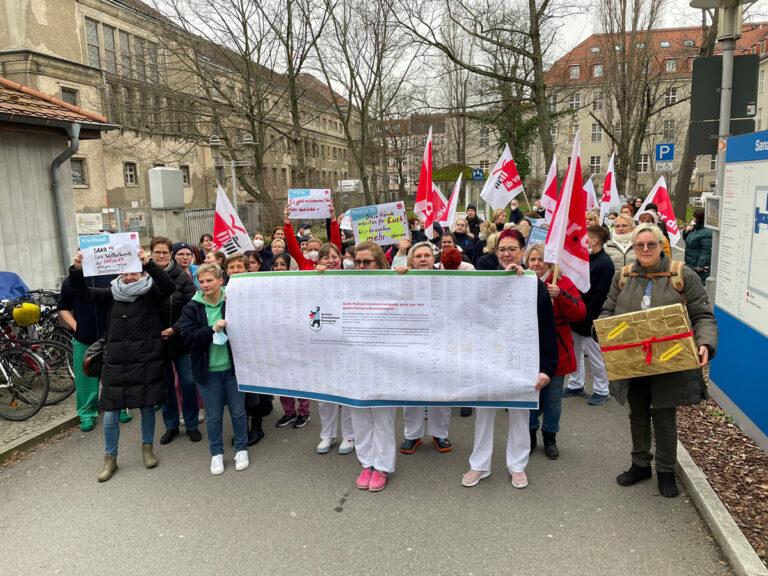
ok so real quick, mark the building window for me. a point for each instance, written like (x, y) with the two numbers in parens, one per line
(552, 104)
(688, 43)
(138, 59)
(572, 130)
(761, 82)
(595, 163)
(125, 53)
(597, 70)
(154, 72)
(218, 172)
(79, 174)
(713, 162)
(669, 130)
(69, 95)
(92, 41)
(640, 45)
(670, 96)
(597, 132)
(185, 175)
(484, 135)
(110, 51)
(130, 174)
(595, 49)
(664, 44)
(574, 101)
(574, 72)
(598, 101)
(670, 65)
(553, 132)
(643, 163)
(759, 119)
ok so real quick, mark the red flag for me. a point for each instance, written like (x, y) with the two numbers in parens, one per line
(610, 201)
(549, 196)
(425, 203)
(566, 244)
(660, 196)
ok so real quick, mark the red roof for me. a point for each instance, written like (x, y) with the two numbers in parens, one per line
(23, 101)
(680, 44)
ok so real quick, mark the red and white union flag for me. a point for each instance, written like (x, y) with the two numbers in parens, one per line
(660, 196)
(229, 234)
(504, 182)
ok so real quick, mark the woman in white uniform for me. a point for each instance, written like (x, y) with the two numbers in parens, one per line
(510, 249)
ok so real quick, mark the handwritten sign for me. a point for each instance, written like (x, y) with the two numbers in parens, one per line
(309, 203)
(110, 253)
(346, 222)
(384, 224)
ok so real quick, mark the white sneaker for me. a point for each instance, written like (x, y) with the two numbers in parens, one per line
(181, 421)
(325, 445)
(201, 416)
(241, 460)
(217, 464)
(346, 446)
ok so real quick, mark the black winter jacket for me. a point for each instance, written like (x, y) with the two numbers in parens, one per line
(184, 289)
(198, 336)
(474, 225)
(487, 262)
(134, 361)
(601, 271)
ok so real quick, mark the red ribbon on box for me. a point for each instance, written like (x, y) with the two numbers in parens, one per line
(647, 344)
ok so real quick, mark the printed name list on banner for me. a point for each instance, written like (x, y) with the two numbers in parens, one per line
(384, 224)
(313, 203)
(364, 341)
(110, 253)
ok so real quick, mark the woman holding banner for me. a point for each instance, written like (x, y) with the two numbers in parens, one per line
(568, 307)
(651, 282)
(374, 428)
(133, 375)
(510, 252)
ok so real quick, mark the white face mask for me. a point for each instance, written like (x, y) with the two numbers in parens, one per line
(482, 236)
(313, 255)
(349, 264)
(258, 244)
(416, 228)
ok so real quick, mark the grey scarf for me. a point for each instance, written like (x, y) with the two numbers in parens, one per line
(123, 292)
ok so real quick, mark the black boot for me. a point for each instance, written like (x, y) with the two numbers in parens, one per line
(667, 484)
(255, 432)
(550, 445)
(633, 475)
(533, 439)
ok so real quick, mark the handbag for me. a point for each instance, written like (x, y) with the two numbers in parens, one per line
(93, 360)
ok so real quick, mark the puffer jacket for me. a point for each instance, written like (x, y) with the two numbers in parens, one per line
(617, 253)
(698, 250)
(676, 388)
(134, 359)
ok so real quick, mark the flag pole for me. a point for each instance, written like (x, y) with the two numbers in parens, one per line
(530, 206)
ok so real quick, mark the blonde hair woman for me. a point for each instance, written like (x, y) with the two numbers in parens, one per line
(499, 219)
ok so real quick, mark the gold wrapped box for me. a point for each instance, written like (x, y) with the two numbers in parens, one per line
(653, 341)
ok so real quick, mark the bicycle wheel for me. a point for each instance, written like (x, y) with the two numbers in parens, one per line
(23, 384)
(58, 366)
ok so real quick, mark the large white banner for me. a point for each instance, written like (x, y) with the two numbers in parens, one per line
(376, 338)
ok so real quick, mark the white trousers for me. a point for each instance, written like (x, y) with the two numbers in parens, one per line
(587, 345)
(439, 418)
(374, 431)
(329, 421)
(518, 440)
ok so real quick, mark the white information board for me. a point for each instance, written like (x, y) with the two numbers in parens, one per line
(376, 338)
(742, 273)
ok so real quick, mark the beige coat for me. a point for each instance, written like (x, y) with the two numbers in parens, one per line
(676, 388)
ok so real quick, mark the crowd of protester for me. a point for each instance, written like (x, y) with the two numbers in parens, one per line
(167, 347)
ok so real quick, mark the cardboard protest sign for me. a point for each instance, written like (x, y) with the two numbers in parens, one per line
(105, 254)
(313, 203)
(384, 224)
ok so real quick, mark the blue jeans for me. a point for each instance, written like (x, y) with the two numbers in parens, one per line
(220, 389)
(550, 405)
(189, 406)
(112, 428)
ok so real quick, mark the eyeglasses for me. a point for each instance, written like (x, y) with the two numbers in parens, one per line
(508, 250)
(640, 246)
(364, 263)
(159, 253)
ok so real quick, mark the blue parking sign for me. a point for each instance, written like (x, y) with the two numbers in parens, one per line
(665, 152)
(477, 174)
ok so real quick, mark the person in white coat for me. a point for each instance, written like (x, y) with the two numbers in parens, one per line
(374, 428)
(421, 257)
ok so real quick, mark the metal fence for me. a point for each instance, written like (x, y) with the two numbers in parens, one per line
(199, 222)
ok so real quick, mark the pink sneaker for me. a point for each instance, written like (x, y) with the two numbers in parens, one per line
(378, 481)
(364, 480)
(519, 479)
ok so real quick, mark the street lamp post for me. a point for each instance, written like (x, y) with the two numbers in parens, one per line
(247, 142)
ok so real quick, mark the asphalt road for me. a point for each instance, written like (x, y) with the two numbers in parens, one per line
(295, 512)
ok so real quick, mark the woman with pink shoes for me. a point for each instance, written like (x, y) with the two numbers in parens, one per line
(510, 249)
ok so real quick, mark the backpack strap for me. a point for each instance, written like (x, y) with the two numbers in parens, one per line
(674, 273)
(626, 272)
(677, 279)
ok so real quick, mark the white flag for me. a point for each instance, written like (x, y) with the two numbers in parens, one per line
(229, 234)
(549, 195)
(589, 188)
(504, 182)
(610, 201)
(447, 220)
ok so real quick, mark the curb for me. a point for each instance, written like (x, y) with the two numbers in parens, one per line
(32, 439)
(738, 551)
